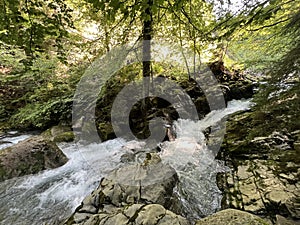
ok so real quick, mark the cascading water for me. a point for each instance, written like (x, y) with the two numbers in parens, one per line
(12, 138)
(52, 195)
(195, 163)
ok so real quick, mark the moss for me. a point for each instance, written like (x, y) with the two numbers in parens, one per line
(106, 131)
(59, 134)
(64, 137)
(47, 134)
(4, 126)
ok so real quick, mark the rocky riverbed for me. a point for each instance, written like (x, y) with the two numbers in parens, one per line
(261, 188)
(259, 183)
(144, 194)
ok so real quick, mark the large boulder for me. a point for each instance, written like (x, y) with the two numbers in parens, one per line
(29, 157)
(140, 193)
(238, 89)
(232, 217)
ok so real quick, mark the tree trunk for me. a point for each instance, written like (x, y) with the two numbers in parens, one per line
(147, 36)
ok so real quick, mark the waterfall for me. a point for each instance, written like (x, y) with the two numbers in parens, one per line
(52, 195)
(195, 163)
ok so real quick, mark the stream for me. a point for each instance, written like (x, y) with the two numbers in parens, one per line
(13, 137)
(52, 195)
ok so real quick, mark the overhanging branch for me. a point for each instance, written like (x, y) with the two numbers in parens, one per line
(269, 25)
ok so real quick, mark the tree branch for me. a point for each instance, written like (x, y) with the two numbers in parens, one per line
(240, 21)
(269, 25)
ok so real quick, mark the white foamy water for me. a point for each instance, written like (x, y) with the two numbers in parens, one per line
(188, 128)
(195, 163)
(12, 138)
(52, 195)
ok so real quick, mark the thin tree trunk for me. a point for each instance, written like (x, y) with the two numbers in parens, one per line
(107, 38)
(147, 36)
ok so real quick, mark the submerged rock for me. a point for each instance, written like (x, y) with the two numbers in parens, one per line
(30, 156)
(232, 217)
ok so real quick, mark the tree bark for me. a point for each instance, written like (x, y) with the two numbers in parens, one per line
(147, 36)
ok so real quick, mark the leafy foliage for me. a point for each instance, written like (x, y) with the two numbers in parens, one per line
(46, 45)
(277, 104)
(11, 58)
(41, 96)
(43, 115)
(34, 25)
(263, 43)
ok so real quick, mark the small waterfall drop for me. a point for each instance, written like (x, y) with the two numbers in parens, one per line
(195, 163)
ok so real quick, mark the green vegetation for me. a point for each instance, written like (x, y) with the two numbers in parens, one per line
(277, 102)
(45, 47)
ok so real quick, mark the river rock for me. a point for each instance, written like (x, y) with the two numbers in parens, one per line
(59, 133)
(138, 214)
(30, 156)
(280, 220)
(140, 193)
(265, 170)
(232, 217)
(62, 133)
(238, 89)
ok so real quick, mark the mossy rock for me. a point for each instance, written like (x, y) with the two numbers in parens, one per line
(64, 137)
(106, 131)
(232, 217)
(59, 133)
(237, 130)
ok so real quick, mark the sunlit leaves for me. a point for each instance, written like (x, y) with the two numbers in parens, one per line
(34, 25)
(11, 58)
(262, 42)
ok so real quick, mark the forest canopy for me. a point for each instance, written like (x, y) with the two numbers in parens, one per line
(45, 46)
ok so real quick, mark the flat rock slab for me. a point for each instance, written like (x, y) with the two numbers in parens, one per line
(265, 169)
(29, 157)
